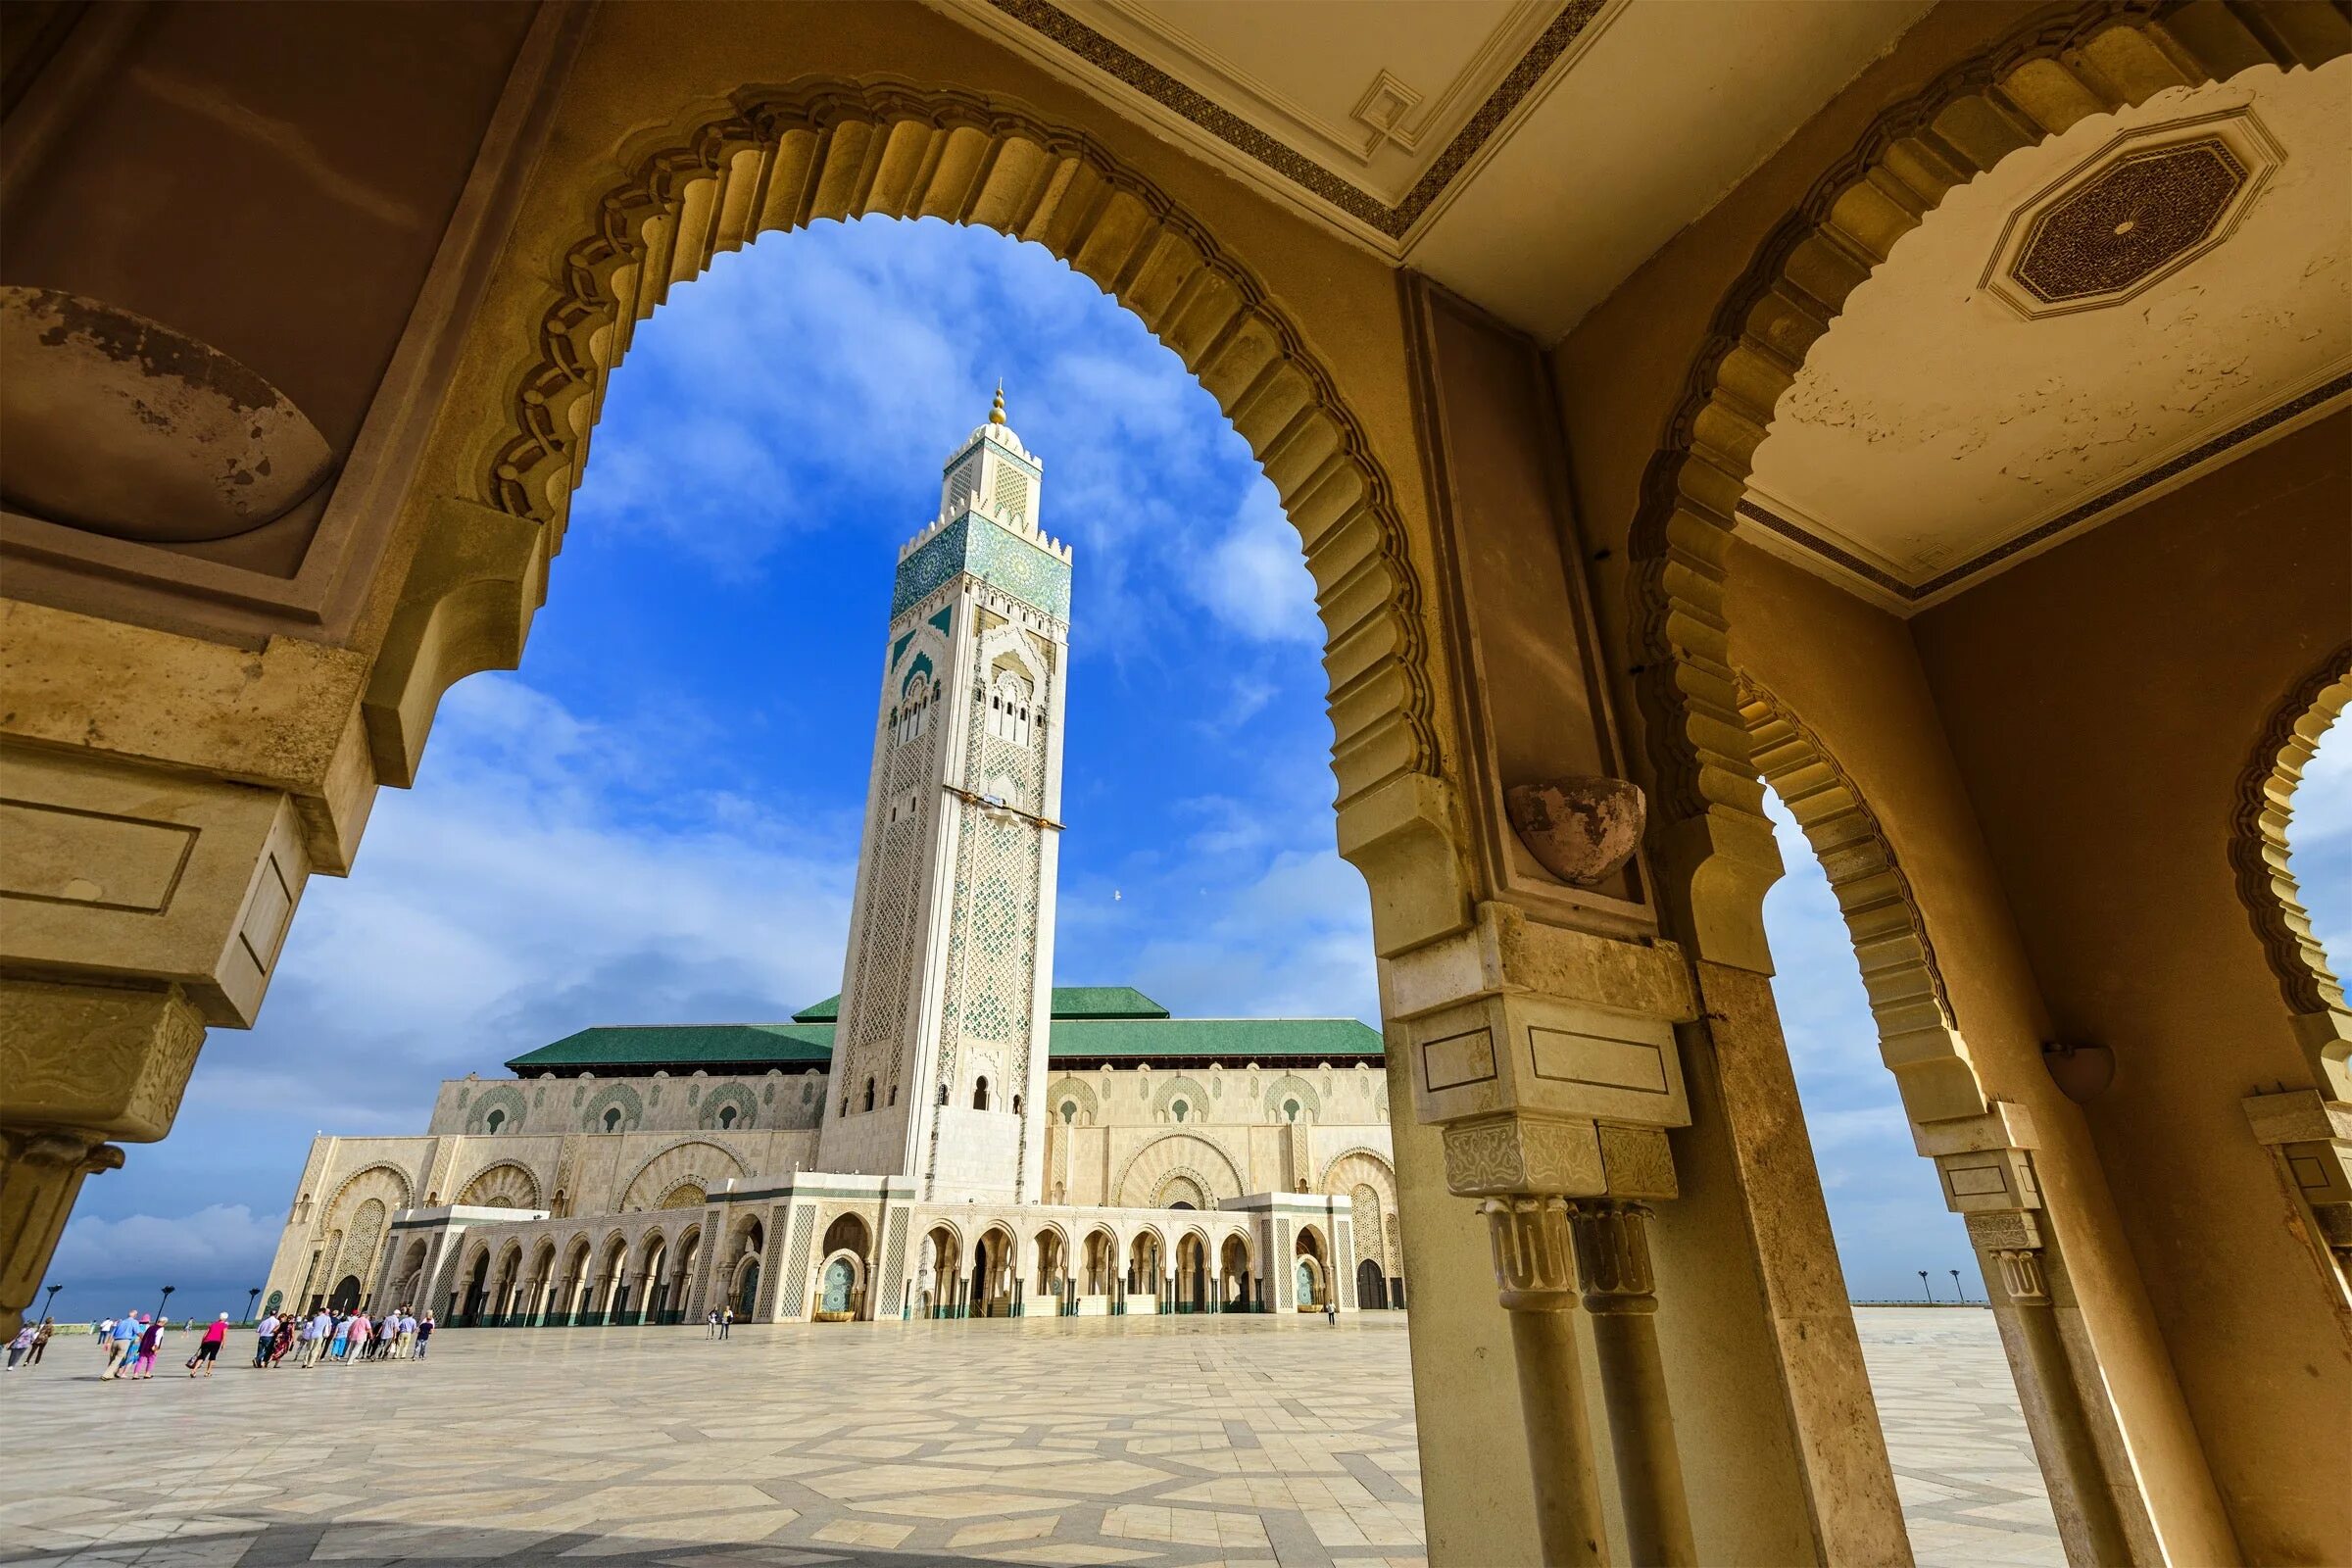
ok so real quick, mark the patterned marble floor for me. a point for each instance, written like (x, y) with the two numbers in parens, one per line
(1171, 1443)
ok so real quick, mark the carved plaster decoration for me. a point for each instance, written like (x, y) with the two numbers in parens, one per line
(1580, 829)
(2136, 211)
(123, 427)
(2033, 85)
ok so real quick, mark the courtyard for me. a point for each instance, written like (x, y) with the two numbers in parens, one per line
(1176, 1442)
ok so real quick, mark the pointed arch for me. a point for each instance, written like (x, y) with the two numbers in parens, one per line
(778, 158)
(1177, 1157)
(502, 1184)
(1706, 800)
(692, 1164)
(1917, 1038)
(2266, 882)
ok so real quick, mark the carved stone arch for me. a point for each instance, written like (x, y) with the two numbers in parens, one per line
(1193, 1091)
(1918, 1037)
(1184, 1154)
(744, 1102)
(1069, 1087)
(505, 1098)
(1707, 800)
(502, 1184)
(613, 1097)
(2266, 882)
(379, 1180)
(1363, 1163)
(715, 176)
(1290, 1086)
(690, 1163)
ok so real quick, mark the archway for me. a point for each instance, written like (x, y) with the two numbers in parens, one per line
(477, 1288)
(1052, 1279)
(748, 1249)
(1192, 1290)
(572, 1299)
(1310, 1269)
(1147, 1264)
(847, 1236)
(1101, 1264)
(995, 1274)
(539, 1294)
(1371, 1287)
(939, 1273)
(346, 1296)
(682, 1279)
(650, 1290)
(1238, 1294)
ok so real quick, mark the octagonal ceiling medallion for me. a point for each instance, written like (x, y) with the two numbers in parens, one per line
(2134, 213)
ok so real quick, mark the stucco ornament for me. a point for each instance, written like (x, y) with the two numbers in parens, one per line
(1580, 828)
(123, 427)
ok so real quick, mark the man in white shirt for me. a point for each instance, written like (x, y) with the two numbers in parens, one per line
(268, 1332)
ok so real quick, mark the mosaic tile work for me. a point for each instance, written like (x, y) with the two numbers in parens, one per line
(1174, 1442)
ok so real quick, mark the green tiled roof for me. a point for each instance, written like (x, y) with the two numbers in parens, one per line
(1069, 1001)
(1074, 1040)
(1079, 1040)
(684, 1044)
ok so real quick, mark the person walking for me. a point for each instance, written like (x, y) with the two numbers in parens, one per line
(314, 1338)
(40, 1340)
(338, 1343)
(21, 1345)
(424, 1334)
(265, 1336)
(208, 1349)
(361, 1330)
(282, 1343)
(151, 1342)
(104, 1331)
(1331, 1311)
(726, 1320)
(121, 1342)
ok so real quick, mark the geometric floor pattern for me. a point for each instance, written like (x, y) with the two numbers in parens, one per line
(1168, 1443)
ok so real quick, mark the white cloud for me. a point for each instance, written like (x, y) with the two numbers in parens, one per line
(1257, 582)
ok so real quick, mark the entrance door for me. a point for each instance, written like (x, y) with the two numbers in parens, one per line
(746, 1296)
(1306, 1283)
(840, 1280)
(1371, 1287)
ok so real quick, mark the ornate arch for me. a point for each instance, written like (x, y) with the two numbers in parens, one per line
(1290, 1086)
(1196, 1092)
(388, 1182)
(495, 1183)
(1070, 1087)
(1185, 1155)
(746, 1103)
(1917, 1038)
(782, 157)
(505, 1098)
(1706, 798)
(693, 1163)
(2266, 882)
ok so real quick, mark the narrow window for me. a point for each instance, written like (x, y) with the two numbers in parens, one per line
(1179, 1109)
(495, 1120)
(1016, 1104)
(980, 1094)
(726, 1117)
(1290, 1109)
(869, 1094)
(612, 1119)
(1069, 1112)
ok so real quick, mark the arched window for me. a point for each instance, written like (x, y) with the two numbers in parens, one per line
(726, 1117)
(1290, 1109)
(612, 1118)
(980, 1094)
(893, 1094)
(494, 1121)
(1179, 1108)
(869, 1094)
(1069, 1112)
(1016, 1104)
(943, 1094)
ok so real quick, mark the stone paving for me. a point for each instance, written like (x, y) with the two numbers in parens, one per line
(1177, 1442)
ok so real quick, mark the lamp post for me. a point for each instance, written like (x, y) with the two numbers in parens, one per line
(252, 1300)
(1959, 1290)
(1923, 1288)
(164, 1302)
(49, 1307)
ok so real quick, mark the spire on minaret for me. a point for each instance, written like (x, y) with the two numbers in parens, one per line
(996, 414)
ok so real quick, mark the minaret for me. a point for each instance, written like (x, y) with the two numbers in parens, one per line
(939, 1059)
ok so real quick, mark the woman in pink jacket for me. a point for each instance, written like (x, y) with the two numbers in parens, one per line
(209, 1350)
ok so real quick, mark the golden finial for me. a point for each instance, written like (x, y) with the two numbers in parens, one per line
(996, 415)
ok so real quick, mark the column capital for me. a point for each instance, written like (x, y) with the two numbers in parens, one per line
(1612, 1254)
(1535, 1264)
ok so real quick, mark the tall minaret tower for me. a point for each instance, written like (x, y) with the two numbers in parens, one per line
(939, 1059)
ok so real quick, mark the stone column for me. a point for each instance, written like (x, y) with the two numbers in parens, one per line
(1535, 1273)
(1612, 1255)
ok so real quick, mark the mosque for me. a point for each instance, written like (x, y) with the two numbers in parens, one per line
(952, 1135)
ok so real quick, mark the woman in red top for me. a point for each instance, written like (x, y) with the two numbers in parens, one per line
(208, 1351)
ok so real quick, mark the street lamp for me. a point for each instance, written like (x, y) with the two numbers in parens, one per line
(1958, 1289)
(252, 1298)
(164, 1302)
(49, 1307)
(1922, 1285)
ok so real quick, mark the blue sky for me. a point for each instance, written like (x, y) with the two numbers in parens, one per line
(655, 818)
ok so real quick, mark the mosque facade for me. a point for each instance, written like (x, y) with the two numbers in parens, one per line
(952, 1135)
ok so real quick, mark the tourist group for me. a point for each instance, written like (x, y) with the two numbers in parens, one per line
(342, 1338)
